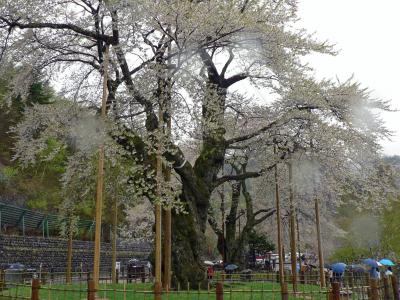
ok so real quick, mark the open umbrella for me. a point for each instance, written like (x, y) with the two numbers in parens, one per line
(370, 262)
(231, 267)
(387, 262)
(357, 268)
(338, 267)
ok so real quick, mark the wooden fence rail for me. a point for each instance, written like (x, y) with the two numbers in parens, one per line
(371, 289)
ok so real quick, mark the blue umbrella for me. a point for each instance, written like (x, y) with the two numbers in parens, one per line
(231, 267)
(338, 267)
(370, 262)
(357, 268)
(387, 262)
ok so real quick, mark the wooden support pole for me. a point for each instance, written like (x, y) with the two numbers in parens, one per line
(281, 255)
(91, 292)
(157, 291)
(100, 179)
(167, 216)
(298, 238)
(335, 291)
(395, 287)
(386, 288)
(158, 244)
(114, 241)
(167, 248)
(292, 224)
(35, 289)
(2, 279)
(219, 291)
(284, 291)
(158, 209)
(320, 253)
(373, 283)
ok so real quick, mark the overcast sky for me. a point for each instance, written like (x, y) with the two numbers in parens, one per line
(367, 33)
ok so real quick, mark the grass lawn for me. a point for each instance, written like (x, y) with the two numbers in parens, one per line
(143, 291)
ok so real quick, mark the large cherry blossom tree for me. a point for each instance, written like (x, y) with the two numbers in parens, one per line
(194, 61)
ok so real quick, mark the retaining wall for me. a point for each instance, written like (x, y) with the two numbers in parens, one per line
(52, 253)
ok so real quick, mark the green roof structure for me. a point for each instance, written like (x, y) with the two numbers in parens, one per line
(23, 218)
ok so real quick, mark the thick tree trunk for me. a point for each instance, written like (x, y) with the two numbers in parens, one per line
(188, 229)
(187, 250)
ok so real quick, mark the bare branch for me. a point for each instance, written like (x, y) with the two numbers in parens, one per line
(242, 176)
(98, 36)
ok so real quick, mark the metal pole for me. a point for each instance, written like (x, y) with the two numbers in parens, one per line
(100, 178)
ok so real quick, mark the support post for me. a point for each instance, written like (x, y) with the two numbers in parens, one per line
(35, 289)
(159, 144)
(320, 253)
(373, 283)
(335, 290)
(157, 290)
(167, 249)
(284, 291)
(281, 254)
(91, 292)
(386, 288)
(167, 217)
(219, 291)
(395, 287)
(100, 179)
(158, 212)
(292, 223)
(2, 277)
(114, 242)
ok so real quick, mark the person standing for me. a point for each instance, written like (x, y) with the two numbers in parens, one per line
(389, 272)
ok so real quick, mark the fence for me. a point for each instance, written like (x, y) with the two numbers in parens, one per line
(258, 286)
